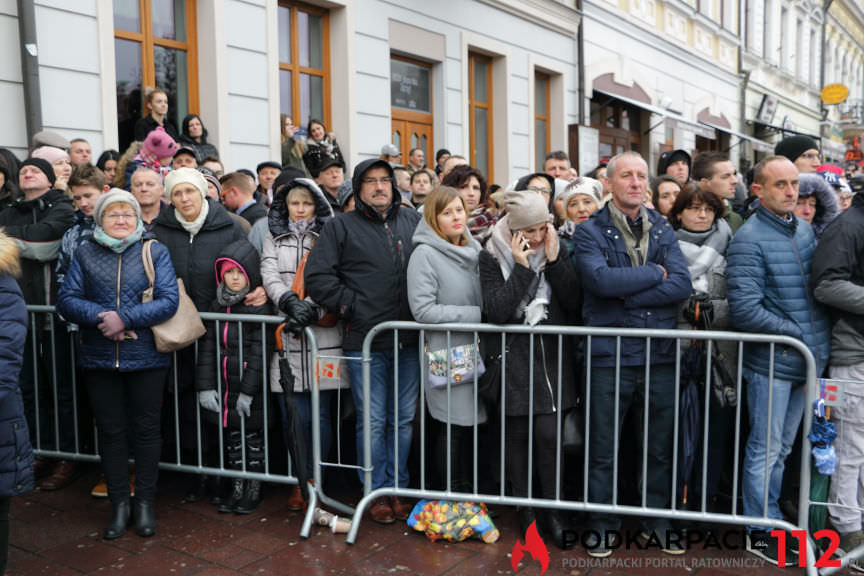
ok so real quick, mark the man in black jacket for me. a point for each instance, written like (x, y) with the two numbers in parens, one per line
(37, 222)
(838, 282)
(358, 269)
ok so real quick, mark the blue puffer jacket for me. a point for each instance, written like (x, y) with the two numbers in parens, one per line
(617, 294)
(768, 275)
(91, 287)
(16, 455)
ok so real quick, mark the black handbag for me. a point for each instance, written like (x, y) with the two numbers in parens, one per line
(723, 385)
(572, 435)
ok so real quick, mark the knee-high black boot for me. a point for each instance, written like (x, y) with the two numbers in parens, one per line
(254, 463)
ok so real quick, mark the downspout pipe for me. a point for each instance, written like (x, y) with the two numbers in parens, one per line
(580, 59)
(30, 67)
(826, 5)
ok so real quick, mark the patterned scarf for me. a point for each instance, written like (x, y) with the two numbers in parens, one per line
(118, 245)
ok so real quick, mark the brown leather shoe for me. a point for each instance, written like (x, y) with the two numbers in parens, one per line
(401, 509)
(64, 473)
(295, 499)
(42, 468)
(381, 512)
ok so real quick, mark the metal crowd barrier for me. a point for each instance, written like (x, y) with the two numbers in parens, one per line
(54, 352)
(674, 511)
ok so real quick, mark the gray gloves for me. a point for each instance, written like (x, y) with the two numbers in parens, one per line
(209, 400)
(244, 405)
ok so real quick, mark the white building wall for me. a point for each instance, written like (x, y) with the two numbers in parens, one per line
(13, 134)
(67, 33)
(464, 25)
(673, 77)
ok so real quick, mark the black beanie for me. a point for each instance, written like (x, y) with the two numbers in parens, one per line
(794, 146)
(43, 165)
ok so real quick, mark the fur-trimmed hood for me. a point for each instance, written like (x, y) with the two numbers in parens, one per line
(9, 262)
(827, 207)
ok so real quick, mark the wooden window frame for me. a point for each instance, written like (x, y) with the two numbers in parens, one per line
(547, 116)
(147, 41)
(294, 66)
(414, 115)
(488, 106)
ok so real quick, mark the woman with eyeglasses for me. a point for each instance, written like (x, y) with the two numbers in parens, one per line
(704, 236)
(125, 374)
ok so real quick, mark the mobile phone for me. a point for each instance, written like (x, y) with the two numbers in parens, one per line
(525, 244)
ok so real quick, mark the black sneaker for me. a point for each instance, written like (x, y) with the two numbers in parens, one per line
(596, 547)
(763, 545)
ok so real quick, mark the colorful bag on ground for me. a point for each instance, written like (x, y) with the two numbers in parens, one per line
(453, 521)
(462, 365)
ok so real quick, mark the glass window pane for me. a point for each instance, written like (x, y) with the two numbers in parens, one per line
(127, 61)
(481, 88)
(311, 98)
(481, 140)
(397, 139)
(410, 87)
(413, 140)
(286, 105)
(310, 29)
(284, 34)
(169, 19)
(540, 142)
(126, 16)
(172, 76)
(423, 144)
(540, 95)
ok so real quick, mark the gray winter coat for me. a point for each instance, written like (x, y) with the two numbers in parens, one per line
(283, 252)
(444, 286)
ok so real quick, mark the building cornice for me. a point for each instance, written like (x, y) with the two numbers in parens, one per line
(562, 17)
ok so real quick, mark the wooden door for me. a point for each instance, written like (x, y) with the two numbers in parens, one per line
(407, 135)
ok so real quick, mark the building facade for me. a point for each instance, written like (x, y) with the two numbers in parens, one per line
(844, 64)
(494, 80)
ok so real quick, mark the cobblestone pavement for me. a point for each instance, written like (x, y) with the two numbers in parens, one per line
(58, 534)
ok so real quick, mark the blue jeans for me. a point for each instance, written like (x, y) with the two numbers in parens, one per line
(661, 421)
(787, 409)
(382, 413)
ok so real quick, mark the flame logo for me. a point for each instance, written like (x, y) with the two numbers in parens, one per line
(534, 546)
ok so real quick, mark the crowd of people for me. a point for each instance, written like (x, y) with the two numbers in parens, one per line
(776, 251)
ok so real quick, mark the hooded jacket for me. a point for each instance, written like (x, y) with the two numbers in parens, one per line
(99, 280)
(358, 266)
(38, 226)
(193, 256)
(827, 207)
(838, 282)
(444, 286)
(222, 371)
(768, 279)
(283, 251)
(16, 454)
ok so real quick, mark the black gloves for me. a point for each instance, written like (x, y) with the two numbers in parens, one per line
(299, 313)
(705, 317)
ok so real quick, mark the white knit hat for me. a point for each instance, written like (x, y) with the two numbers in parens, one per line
(585, 186)
(188, 176)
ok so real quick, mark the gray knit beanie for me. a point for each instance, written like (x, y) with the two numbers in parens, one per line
(525, 209)
(112, 196)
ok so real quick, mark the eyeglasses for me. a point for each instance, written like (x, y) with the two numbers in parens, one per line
(385, 180)
(120, 216)
(539, 190)
(700, 209)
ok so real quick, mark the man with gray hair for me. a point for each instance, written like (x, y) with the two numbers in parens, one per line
(634, 276)
(146, 186)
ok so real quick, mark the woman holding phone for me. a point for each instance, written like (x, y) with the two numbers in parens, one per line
(527, 278)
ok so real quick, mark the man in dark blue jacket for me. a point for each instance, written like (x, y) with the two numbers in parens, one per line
(358, 269)
(768, 271)
(634, 276)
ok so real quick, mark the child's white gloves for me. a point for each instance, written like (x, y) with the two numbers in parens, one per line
(244, 405)
(209, 400)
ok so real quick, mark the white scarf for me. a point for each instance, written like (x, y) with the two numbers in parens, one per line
(195, 225)
(499, 245)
